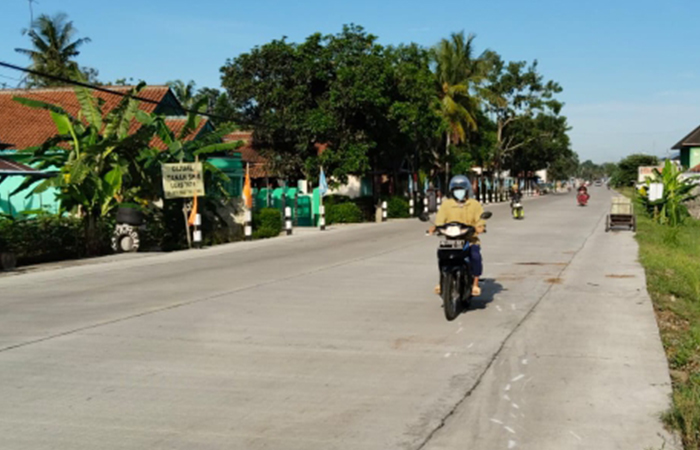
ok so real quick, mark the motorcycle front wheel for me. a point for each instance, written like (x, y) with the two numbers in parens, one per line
(451, 294)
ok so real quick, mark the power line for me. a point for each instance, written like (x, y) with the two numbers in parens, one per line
(103, 89)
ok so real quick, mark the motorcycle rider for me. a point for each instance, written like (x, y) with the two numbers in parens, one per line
(460, 208)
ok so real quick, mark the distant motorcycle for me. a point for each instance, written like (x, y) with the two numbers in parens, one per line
(582, 197)
(516, 207)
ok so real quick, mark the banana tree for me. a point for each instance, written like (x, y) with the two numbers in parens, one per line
(670, 209)
(92, 154)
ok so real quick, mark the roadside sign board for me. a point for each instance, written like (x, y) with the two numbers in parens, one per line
(645, 172)
(656, 191)
(183, 180)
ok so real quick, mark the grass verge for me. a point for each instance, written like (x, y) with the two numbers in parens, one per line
(671, 259)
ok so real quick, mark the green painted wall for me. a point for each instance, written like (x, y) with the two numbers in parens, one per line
(232, 166)
(694, 157)
(18, 203)
(690, 157)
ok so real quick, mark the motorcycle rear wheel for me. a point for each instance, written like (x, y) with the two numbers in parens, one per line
(451, 295)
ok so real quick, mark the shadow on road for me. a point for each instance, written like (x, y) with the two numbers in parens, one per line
(489, 289)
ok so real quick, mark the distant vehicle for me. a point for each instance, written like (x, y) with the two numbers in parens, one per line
(598, 183)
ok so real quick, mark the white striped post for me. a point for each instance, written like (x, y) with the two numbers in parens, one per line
(197, 233)
(411, 210)
(248, 225)
(288, 220)
(322, 218)
(439, 202)
(425, 205)
(384, 212)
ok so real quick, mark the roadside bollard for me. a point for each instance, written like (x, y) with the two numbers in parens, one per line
(410, 207)
(384, 214)
(322, 219)
(439, 202)
(425, 205)
(197, 233)
(288, 220)
(248, 225)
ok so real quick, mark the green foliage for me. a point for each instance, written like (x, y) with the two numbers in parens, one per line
(48, 238)
(397, 208)
(267, 223)
(670, 209)
(367, 102)
(458, 71)
(516, 92)
(102, 163)
(343, 213)
(54, 51)
(563, 167)
(628, 168)
(669, 256)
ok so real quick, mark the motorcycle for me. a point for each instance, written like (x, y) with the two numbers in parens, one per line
(516, 209)
(456, 279)
(582, 198)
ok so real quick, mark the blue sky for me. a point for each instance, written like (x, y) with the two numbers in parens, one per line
(630, 69)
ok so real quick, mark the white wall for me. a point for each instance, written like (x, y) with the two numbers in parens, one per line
(353, 188)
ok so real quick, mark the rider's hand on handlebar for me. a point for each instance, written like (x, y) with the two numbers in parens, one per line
(431, 231)
(481, 229)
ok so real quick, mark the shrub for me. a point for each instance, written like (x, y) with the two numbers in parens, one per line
(343, 213)
(49, 238)
(267, 223)
(367, 207)
(397, 208)
(335, 199)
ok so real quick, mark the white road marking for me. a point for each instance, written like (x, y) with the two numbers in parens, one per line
(518, 378)
(576, 436)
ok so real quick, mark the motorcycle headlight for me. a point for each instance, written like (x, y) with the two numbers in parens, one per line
(453, 231)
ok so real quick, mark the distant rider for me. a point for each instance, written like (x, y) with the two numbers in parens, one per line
(462, 209)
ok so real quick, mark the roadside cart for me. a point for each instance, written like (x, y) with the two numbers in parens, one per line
(621, 214)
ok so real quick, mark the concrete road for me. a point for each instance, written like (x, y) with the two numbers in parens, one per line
(335, 341)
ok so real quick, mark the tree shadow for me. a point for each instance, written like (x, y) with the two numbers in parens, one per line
(489, 289)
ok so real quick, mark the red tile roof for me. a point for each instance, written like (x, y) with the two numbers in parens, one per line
(695, 169)
(22, 127)
(257, 162)
(176, 124)
(10, 166)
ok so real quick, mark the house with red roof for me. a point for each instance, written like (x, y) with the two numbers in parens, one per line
(23, 127)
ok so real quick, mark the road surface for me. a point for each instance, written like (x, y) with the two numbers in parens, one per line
(335, 341)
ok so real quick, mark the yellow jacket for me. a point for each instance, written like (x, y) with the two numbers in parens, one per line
(468, 213)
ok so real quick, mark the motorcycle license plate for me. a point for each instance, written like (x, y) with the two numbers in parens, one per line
(452, 244)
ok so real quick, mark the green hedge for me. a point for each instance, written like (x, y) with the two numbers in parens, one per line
(397, 208)
(343, 213)
(48, 238)
(267, 223)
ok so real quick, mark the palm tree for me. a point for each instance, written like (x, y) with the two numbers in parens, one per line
(457, 72)
(53, 49)
(184, 92)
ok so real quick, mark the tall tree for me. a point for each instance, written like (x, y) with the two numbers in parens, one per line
(457, 71)
(369, 106)
(513, 92)
(54, 48)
